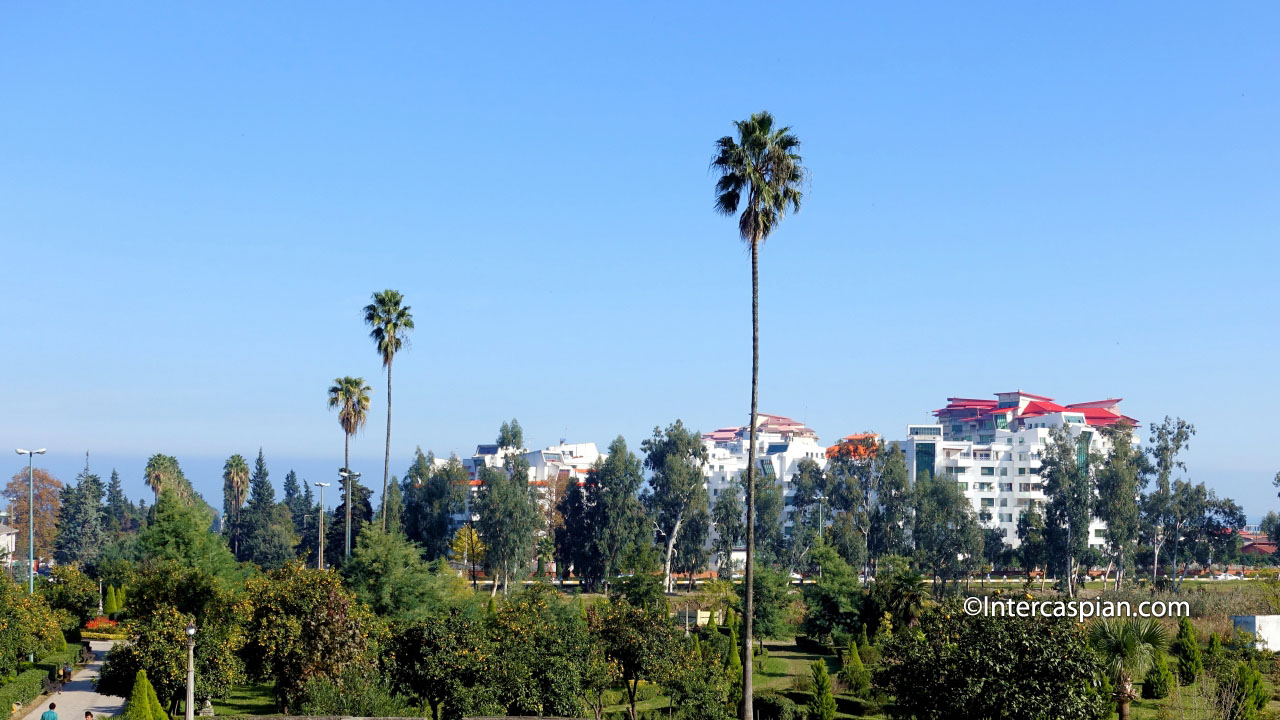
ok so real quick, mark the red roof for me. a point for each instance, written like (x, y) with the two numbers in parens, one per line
(1036, 408)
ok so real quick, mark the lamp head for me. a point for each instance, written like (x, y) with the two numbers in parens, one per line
(191, 630)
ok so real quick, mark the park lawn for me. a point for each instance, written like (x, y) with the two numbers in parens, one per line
(786, 662)
(247, 700)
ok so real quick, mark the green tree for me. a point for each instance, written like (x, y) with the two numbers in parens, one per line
(1159, 680)
(675, 458)
(947, 534)
(269, 538)
(80, 533)
(298, 501)
(468, 549)
(603, 517)
(1168, 440)
(143, 702)
(1032, 667)
(235, 488)
(303, 623)
(390, 322)
(822, 704)
(72, 591)
(386, 572)
(359, 511)
(446, 660)
(179, 532)
(1190, 664)
(855, 674)
(164, 473)
(110, 606)
(1245, 695)
(726, 517)
(770, 537)
(833, 603)
(1128, 647)
(121, 515)
(433, 495)
(638, 640)
(510, 436)
(508, 515)
(1067, 468)
(28, 626)
(772, 606)
(760, 172)
(47, 493)
(1032, 551)
(1119, 479)
(543, 643)
(350, 397)
(1215, 655)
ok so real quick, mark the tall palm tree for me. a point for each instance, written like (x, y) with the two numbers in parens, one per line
(760, 172)
(235, 486)
(391, 322)
(350, 397)
(1128, 646)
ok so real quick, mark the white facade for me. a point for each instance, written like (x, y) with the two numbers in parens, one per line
(993, 450)
(781, 443)
(550, 468)
(8, 544)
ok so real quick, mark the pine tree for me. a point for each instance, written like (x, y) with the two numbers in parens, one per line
(855, 673)
(268, 534)
(119, 510)
(1188, 651)
(822, 705)
(862, 637)
(1159, 680)
(80, 533)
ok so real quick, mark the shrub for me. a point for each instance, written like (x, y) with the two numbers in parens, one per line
(22, 689)
(1244, 695)
(1159, 679)
(772, 706)
(1216, 654)
(646, 691)
(143, 703)
(1188, 650)
(357, 692)
(855, 674)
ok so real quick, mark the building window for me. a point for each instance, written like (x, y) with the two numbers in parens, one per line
(988, 502)
(964, 486)
(1004, 502)
(1006, 517)
(988, 471)
(1006, 487)
(1004, 472)
(1022, 471)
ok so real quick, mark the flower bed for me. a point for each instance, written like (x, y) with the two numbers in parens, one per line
(101, 624)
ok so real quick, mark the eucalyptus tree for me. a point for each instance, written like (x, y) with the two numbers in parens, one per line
(675, 457)
(235, 488)
(726, 517)
(1067, 468)
(391, 322)
(350, 397)
(1168, 440)
(508, 519)
(1119, 490)
(761, 173)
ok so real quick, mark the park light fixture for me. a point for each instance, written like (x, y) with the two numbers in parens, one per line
(320, 527)
(348, 475)
(191, 671)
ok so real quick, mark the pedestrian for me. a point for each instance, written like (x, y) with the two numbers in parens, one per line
(66, 672)
(88, 715)
(50, 714)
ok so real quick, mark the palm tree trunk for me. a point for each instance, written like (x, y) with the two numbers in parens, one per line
(749, 575)
(346, 467)
(386, 458)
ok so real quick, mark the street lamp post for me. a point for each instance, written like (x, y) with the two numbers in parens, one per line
(31, 515)
(191, 671)
(348, 475)
(320, 529)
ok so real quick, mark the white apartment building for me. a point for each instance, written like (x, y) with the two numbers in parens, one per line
(992, 448)
(8, 544)
(549, 468)
(781, 443)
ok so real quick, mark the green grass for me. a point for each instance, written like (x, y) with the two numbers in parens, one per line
(247, 700)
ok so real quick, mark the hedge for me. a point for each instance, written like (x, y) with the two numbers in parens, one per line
(95, 635)
(52, 664)
(22, 689)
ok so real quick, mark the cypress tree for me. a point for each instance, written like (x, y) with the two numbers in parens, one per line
(1159, 679)
(1189, 662)
(109, 605)
(855, 673)
(1214, 656)
(822, 706)
(862, 637)
(734, 661)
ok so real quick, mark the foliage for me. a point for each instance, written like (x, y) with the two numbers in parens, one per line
(1128, 647)
(163, 473)
(822, 706)
(731, 530)
(47, 491)
(508, 517)
(335, 541)
(303, 623)
(603, 518)
(71, 590)
(468, 549)
(445, 660)
(510, 436)
(268, 536)
(387, 573)
(947, 535)
(772, 706)
(358, 691)
(1243, 695)
(80, 521)
(543, 643)
(772, 615)
(854, 673)
(832, 604)
(28, 626)
(23, 688)
(1159, 679)
(235, 487)
(675, 492)
(1215, 655)
(390, 322)
(1187, 649)
(639, 640)
(144, 703)
(696, 682)
(179, 532)
(960, 667)
(431, 498)
(111, 606)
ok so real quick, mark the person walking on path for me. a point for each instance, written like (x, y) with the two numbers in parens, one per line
(79, 696)
(50, 714)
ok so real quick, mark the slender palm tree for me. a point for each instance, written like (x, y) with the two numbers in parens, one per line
(1128, 646)
(391, 322)
(350, 397)
(760, 172)
(235, 486)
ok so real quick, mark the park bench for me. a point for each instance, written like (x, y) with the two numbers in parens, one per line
(52, 687)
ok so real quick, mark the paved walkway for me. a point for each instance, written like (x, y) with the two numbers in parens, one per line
(79, 695)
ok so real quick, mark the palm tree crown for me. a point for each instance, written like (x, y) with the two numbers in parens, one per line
(1128, 646)
(763, 165)
(350, 397)
(390, 321)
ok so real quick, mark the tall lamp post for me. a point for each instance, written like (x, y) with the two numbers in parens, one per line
(31, 516)
(348, 475)
(320, 529)
(191, 670)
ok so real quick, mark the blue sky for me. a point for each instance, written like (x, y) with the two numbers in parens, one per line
(196, 201)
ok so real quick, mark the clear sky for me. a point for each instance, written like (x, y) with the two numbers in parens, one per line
(196, 200)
